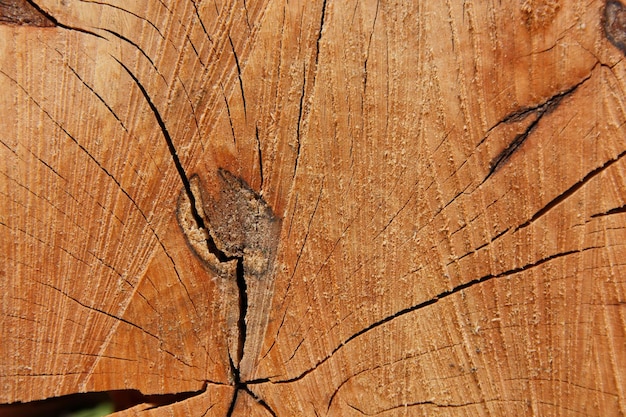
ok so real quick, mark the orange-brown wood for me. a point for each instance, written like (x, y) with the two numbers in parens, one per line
(316, 207)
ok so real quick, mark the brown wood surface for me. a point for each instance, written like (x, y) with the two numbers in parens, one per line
(416, 208)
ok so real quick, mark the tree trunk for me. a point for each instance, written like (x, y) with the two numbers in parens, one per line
(325, 207)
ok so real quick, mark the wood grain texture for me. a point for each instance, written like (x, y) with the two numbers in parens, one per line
(449, 179)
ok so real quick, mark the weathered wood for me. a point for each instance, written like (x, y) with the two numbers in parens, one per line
(316, 207)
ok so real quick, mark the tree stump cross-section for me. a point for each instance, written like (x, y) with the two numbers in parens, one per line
(259, 207)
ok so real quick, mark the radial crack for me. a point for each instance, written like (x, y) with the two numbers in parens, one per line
(235, 236)
(243, 96)
(539, 111)
(571, 190)
(59, 24)
(429, 302)
(514, 145)
(167, 137)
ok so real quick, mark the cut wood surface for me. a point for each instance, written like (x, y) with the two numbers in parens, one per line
(315, 207)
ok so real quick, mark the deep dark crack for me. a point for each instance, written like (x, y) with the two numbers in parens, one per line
(212, 246)
(234, 232)
(427, 303)
(85, 403)
(243, 96)
(571, 190)
(55, 22)
(539, 111)
(243, 308)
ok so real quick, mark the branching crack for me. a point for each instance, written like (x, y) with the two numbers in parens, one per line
(211, 244)
(242, 233)
(241, 387)
(429, 302)
(519, 139)
(539, 111)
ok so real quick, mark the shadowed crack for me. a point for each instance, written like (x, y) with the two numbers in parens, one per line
(243, 96)
(429, 302)
(55, 22)
(571, 190)
(616, 210)
(299, 123)
(175, 159)
(211, 244)
(253, 214)
(234, 232)
(539, 111)
(236, 227)
(90, 402)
